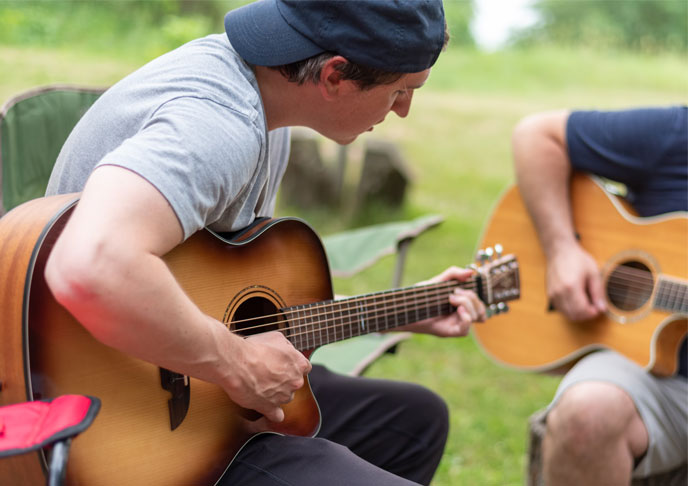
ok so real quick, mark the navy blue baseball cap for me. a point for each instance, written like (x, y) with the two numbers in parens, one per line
(403, 36)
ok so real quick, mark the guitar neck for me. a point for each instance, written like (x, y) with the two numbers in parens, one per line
(330, 321)
(672, 295)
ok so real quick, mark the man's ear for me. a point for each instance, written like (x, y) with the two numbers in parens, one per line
(331, 82)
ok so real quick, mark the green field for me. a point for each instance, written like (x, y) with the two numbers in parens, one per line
(457, 142)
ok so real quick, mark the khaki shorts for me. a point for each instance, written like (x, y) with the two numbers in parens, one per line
(661, 402)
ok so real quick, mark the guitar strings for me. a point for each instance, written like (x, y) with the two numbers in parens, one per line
(423, 291)
(469, 284)
(322, 310)
(440, 301)
(416, 290)
(642, 281)
(374, 316)
(634, 286)
(671, 298)
(329, 304)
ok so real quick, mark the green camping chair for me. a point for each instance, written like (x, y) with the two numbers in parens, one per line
(33, 128)
(350, 252)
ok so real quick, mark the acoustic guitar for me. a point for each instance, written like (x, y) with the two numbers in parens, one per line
(157, 427)
(643, 264)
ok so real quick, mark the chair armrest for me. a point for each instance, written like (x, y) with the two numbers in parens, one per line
(352, 251)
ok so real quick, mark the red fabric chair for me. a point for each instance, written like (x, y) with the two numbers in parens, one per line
(30, 426)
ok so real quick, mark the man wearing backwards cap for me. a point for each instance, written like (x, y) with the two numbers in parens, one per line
(199, 137)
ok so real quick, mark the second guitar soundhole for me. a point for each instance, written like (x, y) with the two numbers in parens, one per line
(630, 285)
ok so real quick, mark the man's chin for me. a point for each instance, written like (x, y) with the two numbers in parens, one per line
(340, 139)
(344, 140)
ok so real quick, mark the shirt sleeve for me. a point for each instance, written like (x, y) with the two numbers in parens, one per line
(201, 156)
(643, 148)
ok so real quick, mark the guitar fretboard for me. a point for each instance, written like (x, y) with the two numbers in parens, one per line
(314, 325)
(672, 295)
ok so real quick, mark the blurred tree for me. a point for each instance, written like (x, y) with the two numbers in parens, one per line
(148, 27)
(638, 25)
(459, 14)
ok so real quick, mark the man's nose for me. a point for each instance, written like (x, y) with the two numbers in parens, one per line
(402, 105)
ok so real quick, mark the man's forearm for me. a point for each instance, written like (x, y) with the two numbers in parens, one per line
(543, 173)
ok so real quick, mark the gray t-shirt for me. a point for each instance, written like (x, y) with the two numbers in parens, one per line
(191, 122)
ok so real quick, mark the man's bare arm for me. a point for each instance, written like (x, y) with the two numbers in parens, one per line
(543, 172)
(106, 269)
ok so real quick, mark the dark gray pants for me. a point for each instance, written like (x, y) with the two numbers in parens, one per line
(374, 433)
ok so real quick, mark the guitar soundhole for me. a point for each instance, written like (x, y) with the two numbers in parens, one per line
(256, 315)
(630, 285)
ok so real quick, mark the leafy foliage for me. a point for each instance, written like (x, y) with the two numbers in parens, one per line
(121, 27)
(113, 26)
(642, 25)
(458, 14)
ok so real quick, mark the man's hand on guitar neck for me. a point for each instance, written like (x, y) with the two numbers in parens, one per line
(574, 284)
(469, 309)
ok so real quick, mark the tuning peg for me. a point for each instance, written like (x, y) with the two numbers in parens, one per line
(498, 250)
(489, 252)
(481, 256)
(491, 310)
(502, 307)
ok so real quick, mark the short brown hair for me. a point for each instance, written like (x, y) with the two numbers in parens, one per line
(365, 77)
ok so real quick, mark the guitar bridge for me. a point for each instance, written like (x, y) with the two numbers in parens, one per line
(180, 388)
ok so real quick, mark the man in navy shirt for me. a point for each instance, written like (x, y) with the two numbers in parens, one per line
(610, 420)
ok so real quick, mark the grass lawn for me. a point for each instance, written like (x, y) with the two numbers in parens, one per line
(457, 142)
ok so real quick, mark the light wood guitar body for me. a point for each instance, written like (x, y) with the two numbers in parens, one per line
(177, 430)
(644, 266)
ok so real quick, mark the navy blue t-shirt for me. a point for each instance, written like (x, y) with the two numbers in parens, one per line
(646, 149)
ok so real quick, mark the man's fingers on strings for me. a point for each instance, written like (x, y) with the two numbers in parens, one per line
(467, 305)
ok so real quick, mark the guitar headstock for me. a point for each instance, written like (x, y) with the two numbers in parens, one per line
(498, 278)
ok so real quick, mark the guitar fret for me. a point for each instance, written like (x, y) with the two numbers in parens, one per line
(343, 321)
(312, 329)
(671, 296)
(305, 330)
(325, 326)
(386, 325)
(290, 334)
(426, 308)
(361, 320)
(376, 315)
(294, 323)
(302, 328)
(427, 303)
(337, 324)
(315, 326)
(351, 318)
(419, 314)
(321, 325)
(316, 323)
(403, 318)
(660, 300)
(384, 312)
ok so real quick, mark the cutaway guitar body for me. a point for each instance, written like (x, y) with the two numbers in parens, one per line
(643, 264)
(131, 442)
